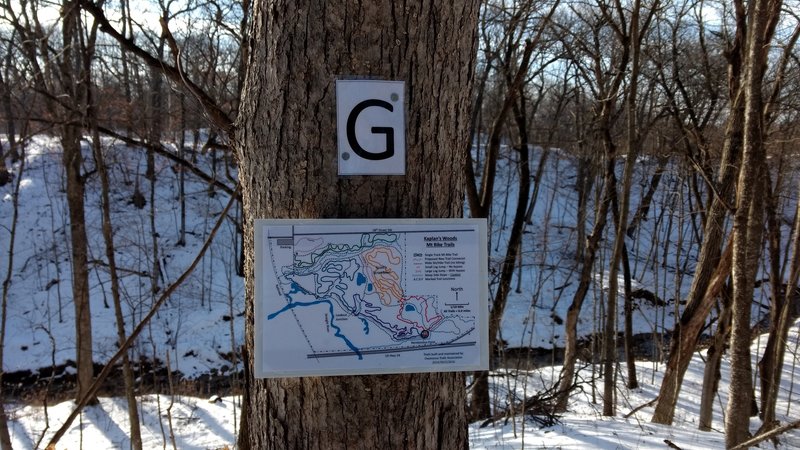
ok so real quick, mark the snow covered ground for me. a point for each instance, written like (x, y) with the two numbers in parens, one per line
(194, 325)
(585, 427)
(201, 423)
(200, 326)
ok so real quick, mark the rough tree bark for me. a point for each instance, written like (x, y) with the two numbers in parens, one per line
(286, 144)
(748, 221)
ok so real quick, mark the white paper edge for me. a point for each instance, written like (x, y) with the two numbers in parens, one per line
(354, 173)
(483, 300)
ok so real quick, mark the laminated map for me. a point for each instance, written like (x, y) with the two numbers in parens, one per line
(370, 296)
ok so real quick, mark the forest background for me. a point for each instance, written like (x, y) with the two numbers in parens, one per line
(636, 161)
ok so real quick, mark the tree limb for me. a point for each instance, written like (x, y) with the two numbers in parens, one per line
(161, 150)
(768, 435)
(213, 112)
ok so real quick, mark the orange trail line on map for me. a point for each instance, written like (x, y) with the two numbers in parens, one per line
(384, 279)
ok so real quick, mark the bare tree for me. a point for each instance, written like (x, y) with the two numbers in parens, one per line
(748, 220)
(514, 73)
(72, 78)
(57, 77)
(108, 237)
(630, 35)
(588, 42)
(782, 293)
(698, 304)
(480, 197)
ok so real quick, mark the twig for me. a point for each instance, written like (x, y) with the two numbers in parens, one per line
(217, 116)
(768, 435)
(158, 148)
(640, 407)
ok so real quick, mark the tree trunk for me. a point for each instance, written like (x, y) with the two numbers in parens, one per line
(683, 345)
(584, 185)
(772, 363)
(769, 372)
(155, 131)
(286, 141)
(610, 332)
(108, 237)
(746, 251)
(698, 304)
(644, 206)
(8, 110)
(633, 141)
(630, 359)
(182, 172)
(585, 174)
(711, 372)
(748, 220)
(607, 86)
(70, 141)
(5, 175)
(75, 184)
(480, 200)
(479, 407)
(87, 53)
(5, 437)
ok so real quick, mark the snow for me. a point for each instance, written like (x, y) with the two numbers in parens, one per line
(40, 310)
(211, 422)
(194, 423)
(202, 324)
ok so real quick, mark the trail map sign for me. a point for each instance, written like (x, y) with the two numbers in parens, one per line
(348, 297)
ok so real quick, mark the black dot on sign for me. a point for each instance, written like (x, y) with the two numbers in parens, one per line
(345, 156)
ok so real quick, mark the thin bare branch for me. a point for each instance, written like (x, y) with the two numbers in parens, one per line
(768, 435)
(214, 113)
